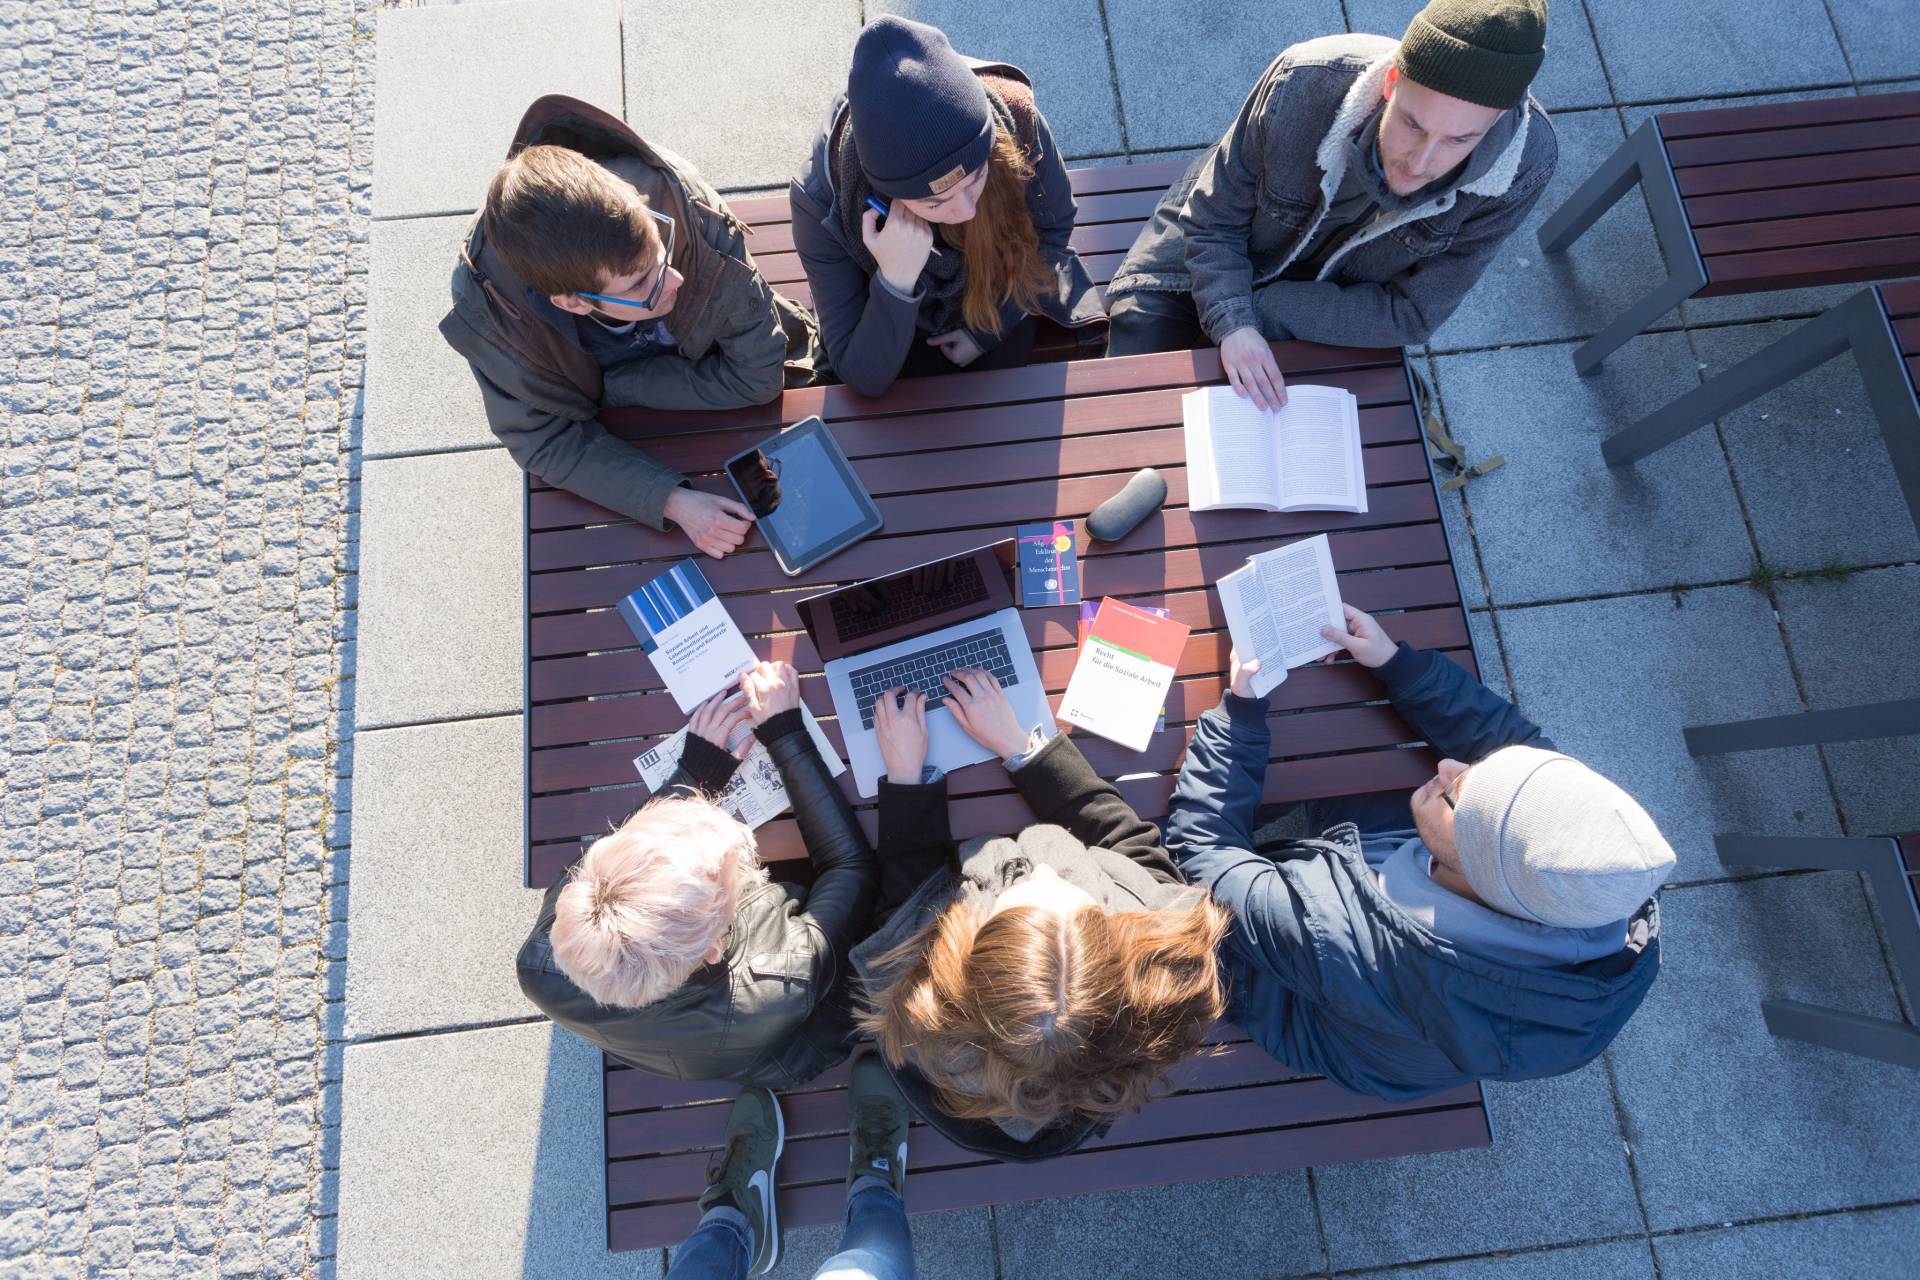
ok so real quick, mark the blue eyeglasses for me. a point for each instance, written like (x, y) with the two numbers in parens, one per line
(659, 278)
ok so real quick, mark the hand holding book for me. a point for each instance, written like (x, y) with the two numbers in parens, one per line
(1363, 638)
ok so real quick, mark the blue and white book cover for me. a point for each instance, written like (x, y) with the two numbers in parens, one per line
(694, 642)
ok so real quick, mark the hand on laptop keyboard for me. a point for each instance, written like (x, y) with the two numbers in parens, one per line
(981, 706)
(927, 670)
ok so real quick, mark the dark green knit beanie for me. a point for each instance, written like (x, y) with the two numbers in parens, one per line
(1483, 51)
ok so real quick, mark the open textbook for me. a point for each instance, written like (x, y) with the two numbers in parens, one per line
(1276, 604)
(698, 650)
(1303, 456)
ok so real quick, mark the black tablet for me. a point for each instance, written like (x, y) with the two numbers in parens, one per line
(805, 495)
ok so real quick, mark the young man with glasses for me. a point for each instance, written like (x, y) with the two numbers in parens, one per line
(1498, 923)
(604, 271)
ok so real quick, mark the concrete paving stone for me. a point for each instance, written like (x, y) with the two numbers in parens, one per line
(454, 80)
(1529, 296)
(1466, 559)
(697, 73)
(1570, 77)
(1613, 682)
(1064, 54)
(1186, 66)
(1880, 36)
(476, 1154)
(1727, 1121)
(1729, 46)
(1891, 86)
(1811, 461)
(946, 1246)
(1618, 1260)
(421, 396)
(1851, 638)
(1493, 664)
(436, 898)
(1549, 1136)
(440, 624)
(1670, 518)
(1229, 1229)
(1769, 303)
(1879, 1244)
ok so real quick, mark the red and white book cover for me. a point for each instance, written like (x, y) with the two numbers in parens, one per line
(1126, 666)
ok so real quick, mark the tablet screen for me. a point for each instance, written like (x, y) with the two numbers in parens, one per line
(808, 502)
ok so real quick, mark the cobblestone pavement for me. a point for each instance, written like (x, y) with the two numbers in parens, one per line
(183, 233)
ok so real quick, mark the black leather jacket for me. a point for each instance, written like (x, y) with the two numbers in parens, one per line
(776, 1010)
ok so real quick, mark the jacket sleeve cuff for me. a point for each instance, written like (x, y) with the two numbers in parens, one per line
(1405, 667)
(710, 767)
(1222, 318)
(650, 507)
(886, 285)
(1245, 712)
(1053, 773)
(779, 725)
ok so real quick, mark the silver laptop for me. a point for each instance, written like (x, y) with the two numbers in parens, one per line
(909, 630)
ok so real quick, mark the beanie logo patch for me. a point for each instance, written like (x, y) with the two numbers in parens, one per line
(951, 178)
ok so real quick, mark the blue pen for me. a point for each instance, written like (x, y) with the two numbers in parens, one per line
(880, 207)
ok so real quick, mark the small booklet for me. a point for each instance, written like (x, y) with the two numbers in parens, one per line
(1304, 456)
(1276, 604)
(1089, 608)
(1120, 681)
(1049, 567)
(698, 650)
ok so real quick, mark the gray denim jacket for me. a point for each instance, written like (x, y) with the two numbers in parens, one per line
(1244, 210)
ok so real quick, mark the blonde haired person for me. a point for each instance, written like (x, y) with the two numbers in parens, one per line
(979, 214)
(1028, 989)
(667, 945)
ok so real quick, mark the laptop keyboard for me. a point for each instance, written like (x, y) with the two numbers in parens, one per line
(965, 588)
(927, 669)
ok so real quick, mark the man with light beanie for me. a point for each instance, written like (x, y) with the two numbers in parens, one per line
(1498, 923)
(1362, 189)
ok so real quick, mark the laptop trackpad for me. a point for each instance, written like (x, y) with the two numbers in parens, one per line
(948, 746)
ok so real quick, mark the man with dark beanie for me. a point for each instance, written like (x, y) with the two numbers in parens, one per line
(1355, 200)
(973, 243)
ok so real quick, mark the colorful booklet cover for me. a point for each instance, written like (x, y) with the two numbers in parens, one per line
(1120, 682)
(1090, 607)
(1049, 567)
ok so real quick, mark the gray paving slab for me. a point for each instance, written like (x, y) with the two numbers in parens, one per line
(1186, 66)
(421, 396)
(476, 1154)
(1493, 663)
(1570, 77)
(1616, 1260)
(1230, 1229)
(1726, 1121)
(740, 89)
(454, 80)
(1529, 296)
(1852, 638)
(1769, 303)
(1666, 49)
(1613, 682)
(1891, 86)
(1811, 461)
(436, 903)
(1065, 55)
(946, 1246)
(1880, 36)
(440, 581)
(1670, 518)
(1549, 1136)
(1466, 559)
(1881, 1244)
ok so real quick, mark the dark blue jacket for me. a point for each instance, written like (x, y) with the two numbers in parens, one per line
(1332, 978)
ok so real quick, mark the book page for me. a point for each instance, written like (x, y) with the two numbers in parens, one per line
(1240, 439)
(1252, 627)
(1302, 595)
(1319, 434)
(1202, 491)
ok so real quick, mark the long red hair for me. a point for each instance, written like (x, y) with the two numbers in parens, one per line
(999, 242)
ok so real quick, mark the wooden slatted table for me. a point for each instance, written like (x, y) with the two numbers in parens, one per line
(955, 462)
(1777, 196)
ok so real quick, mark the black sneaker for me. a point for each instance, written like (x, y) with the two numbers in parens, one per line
(877, 1120)
(742, 1175)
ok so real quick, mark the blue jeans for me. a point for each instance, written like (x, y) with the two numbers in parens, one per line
(876, 1243)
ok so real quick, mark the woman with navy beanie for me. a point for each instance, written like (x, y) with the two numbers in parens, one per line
(934, 214)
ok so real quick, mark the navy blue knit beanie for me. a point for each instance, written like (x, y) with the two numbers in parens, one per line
(921, 120)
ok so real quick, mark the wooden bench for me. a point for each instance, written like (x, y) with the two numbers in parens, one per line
(1744, 199)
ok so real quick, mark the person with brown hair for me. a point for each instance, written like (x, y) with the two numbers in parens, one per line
(1026, 990)
(934, 214)
(604, 271)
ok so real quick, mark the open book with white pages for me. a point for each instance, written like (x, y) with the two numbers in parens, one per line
(1276, 604)
(1303, 456)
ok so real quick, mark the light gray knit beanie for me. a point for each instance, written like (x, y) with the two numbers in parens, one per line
(1543, 837)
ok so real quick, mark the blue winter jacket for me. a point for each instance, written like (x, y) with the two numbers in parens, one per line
(1332, 978)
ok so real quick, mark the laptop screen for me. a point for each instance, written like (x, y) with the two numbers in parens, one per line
(919, 599)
